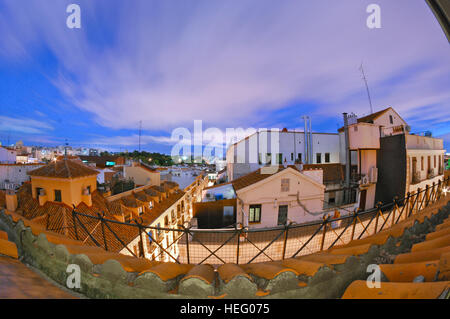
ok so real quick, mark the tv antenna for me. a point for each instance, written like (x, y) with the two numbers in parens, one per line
(367, 87)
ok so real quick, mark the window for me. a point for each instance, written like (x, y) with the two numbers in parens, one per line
(254, 214)
(391, 119)
(434, 161)
(89, 189)
(140, 210)
(280, 158)
(327, 157)
(127, 218)
(299, 157)
(166, 221)
(318, 158)
(292, 156)
(421, 163)
(57, 195)
(150, 205)
(285, 184)
(331, 197)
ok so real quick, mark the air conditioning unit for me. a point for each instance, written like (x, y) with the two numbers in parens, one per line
(373, 174)
(365, 180)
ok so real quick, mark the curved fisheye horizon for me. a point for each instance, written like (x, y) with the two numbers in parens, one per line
(150, 67)
(211, 156)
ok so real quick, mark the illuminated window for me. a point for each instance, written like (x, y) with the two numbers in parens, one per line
(254, 215)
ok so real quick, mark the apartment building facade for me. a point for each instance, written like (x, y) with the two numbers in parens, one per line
(280, 148)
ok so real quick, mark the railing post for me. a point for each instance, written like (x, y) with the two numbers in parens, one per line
(103, 230)
(238, 244)
(408, 202)
(427, 195)
(379, 204)
(418, 200)
(355, 215)
(285, 240)
(438, 191)
(324, 233)
(186, 232)
(394, 208)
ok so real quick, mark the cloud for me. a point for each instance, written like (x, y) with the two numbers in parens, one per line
(169, 63)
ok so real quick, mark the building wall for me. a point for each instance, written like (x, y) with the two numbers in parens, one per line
(141, 176)
(311, 195)
(391, 159)
(16, 173)
(71, 189)
(243, 157)
(425, 179)
(7, 156)
(384, 119)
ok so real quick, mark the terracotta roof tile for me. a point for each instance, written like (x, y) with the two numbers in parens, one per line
(332, 173)
(63, 169)
(255, 177)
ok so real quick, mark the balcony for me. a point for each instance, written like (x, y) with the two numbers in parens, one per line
(417, 142)
(392, 130)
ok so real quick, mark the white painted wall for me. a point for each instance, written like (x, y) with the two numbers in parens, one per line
(268, 193)
(7, 156)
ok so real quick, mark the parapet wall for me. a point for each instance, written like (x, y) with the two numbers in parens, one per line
(109, 275)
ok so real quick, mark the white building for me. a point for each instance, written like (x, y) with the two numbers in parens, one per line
(13, 175)
(281, 147)
(7, 156)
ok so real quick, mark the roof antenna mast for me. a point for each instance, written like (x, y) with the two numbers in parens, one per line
(367, 87)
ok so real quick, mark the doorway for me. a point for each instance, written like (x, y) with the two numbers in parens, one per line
(362, 199)
(282, 214)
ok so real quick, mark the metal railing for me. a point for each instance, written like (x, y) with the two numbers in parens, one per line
(240, 245)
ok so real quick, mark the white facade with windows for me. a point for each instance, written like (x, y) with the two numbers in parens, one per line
(280, 147)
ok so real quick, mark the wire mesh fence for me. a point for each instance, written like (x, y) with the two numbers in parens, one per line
(241, 245)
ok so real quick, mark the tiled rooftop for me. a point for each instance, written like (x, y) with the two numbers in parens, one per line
(63, 169)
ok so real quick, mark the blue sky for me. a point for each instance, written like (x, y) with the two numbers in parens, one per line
(250, 63)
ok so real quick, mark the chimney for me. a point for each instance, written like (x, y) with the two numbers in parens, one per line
(11, 200)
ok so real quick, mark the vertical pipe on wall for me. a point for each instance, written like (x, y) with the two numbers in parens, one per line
(310, 142)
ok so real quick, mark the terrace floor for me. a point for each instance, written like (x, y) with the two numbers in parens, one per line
(17, 281)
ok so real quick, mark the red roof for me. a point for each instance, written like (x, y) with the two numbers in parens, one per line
(64, 169)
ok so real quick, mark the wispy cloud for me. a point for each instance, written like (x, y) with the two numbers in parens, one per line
(23, 125)
(168, 63)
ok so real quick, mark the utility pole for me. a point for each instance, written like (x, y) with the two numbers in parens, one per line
(367, 87)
